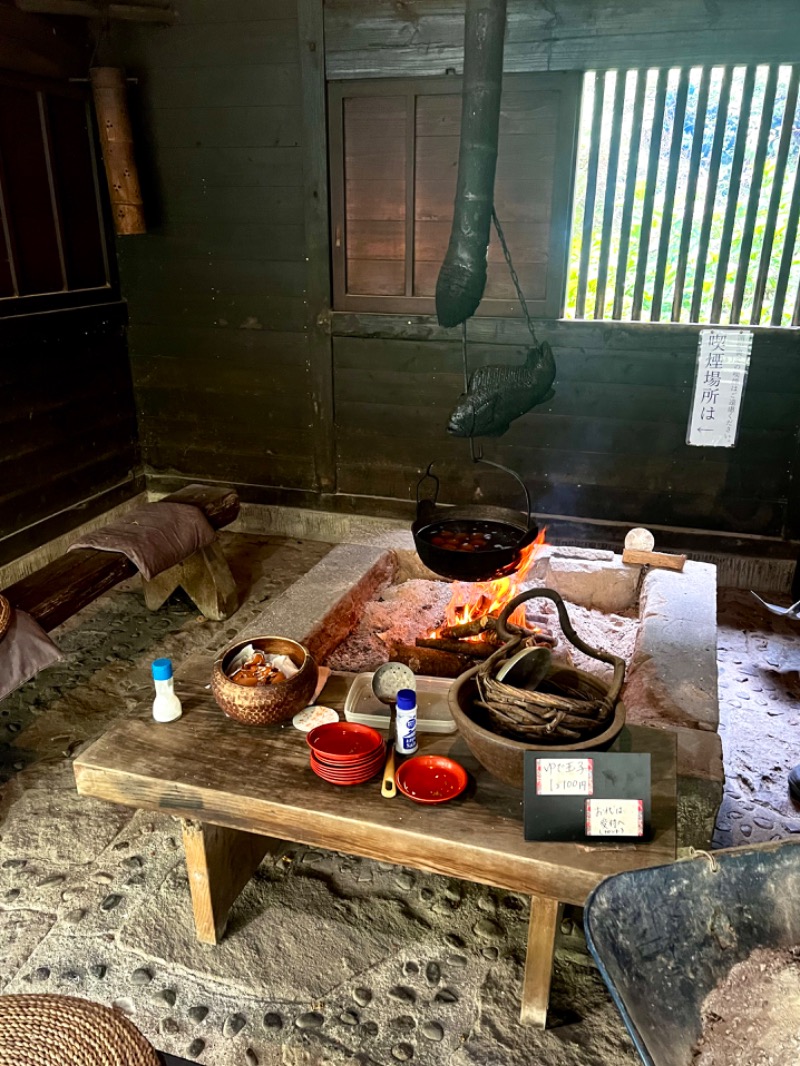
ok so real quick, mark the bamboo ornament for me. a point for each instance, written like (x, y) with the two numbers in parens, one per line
(116, 139)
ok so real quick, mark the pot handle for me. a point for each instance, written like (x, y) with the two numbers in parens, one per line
(425, 477)
(605, 657)
(523, 486)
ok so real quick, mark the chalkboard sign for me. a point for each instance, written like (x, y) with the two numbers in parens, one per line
(588, 797)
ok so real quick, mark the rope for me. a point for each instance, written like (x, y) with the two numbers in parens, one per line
(696, 853)
(514, 278)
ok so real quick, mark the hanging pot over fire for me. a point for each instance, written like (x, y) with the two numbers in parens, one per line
(475, 543)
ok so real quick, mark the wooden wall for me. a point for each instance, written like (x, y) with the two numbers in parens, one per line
(68, 446)
(216, 290)
(241, 372)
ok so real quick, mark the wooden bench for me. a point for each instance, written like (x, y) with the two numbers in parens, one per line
(60, 589)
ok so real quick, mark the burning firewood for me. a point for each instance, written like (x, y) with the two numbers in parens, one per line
(428, 661)
(486, 626)
(472, 649)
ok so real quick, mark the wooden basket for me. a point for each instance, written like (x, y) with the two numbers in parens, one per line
(571, 706)
(265, 704)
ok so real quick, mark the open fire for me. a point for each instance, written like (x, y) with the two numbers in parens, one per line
(485, 600)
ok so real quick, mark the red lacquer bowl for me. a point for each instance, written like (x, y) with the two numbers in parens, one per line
(431, 779)
(344, 742)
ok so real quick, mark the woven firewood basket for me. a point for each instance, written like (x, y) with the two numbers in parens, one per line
(265, 704)
(568, 706)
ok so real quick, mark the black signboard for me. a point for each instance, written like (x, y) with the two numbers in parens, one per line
(587, 796)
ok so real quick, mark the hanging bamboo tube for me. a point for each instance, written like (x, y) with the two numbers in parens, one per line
(462, 277)
(116, 139)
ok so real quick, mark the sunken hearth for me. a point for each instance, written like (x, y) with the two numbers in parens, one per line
(366, 603)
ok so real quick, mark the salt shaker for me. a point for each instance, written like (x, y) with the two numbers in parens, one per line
(166, 705)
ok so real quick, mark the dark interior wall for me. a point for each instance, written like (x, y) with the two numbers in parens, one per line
(68, 447)
(236, 379)
(216, 290)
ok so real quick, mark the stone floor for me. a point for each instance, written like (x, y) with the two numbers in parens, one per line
(328, 959)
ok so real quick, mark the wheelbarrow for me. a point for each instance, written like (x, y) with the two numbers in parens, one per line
(664, 937)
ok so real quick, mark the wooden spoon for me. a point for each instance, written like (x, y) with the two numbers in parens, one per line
(388, 787)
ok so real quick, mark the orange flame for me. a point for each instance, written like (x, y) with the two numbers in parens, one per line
(490, 597)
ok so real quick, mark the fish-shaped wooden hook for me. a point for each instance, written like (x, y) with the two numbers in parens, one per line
(496, 395)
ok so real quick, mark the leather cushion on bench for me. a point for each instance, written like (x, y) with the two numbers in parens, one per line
(24, 651)
(154, 537)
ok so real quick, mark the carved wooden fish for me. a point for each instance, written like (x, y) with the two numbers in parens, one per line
(498, 394)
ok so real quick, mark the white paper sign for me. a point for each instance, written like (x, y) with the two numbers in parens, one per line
(723, 359)
(564, 777)
(614, 818)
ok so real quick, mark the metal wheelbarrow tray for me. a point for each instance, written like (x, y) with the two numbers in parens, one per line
(664, 937)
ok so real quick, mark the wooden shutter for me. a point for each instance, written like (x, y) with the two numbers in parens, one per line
(394, 162)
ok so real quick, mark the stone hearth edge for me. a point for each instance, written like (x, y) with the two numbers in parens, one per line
(672, 683)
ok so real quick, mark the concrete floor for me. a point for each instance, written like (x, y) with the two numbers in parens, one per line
(328, 958)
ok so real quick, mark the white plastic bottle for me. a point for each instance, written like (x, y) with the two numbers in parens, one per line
(166, 705)
(406, 733)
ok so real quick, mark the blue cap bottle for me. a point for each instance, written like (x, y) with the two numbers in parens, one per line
(162, 669)
(406, 737)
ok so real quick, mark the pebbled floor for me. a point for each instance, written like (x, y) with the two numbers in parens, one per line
(339, 960)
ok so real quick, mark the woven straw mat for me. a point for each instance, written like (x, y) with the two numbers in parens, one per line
(5, 616)
(62, 1031)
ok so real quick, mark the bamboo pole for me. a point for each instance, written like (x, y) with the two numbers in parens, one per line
(116, 139)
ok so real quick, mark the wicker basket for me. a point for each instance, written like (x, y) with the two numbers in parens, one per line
(265, 704)
(567, 707)
(5, 616)
(48, 1030)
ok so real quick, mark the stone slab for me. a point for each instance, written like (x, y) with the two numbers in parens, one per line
(20, 933)
(324, 605)
(673, 675)
(602, 584)
(37, 827)
(271, 938)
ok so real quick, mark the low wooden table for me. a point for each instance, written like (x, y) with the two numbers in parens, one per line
(242, 790)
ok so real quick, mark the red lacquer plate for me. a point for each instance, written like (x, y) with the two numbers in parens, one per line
(352, 778)
(344, 742)
(431, 779)
(375, 758)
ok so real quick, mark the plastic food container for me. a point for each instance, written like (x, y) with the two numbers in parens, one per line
(433, 712)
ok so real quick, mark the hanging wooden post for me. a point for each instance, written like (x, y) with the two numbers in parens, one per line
(111, 107)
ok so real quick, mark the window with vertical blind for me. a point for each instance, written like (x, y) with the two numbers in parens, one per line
(687, 197)
(52, 224)
(394, 161)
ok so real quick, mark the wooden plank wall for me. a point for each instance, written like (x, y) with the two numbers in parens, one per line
(404, 38)
(609, 446)
(67, 424)
(218, 315)
(68, 448)
(231, 370)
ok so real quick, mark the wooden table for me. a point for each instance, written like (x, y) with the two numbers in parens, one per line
(242, 790)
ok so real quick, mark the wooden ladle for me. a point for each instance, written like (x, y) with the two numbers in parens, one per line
(387, 681)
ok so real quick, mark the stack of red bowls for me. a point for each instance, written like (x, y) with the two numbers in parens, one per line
(346, 753)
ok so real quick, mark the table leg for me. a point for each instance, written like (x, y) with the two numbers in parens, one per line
(544, 923)
(220, 862)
